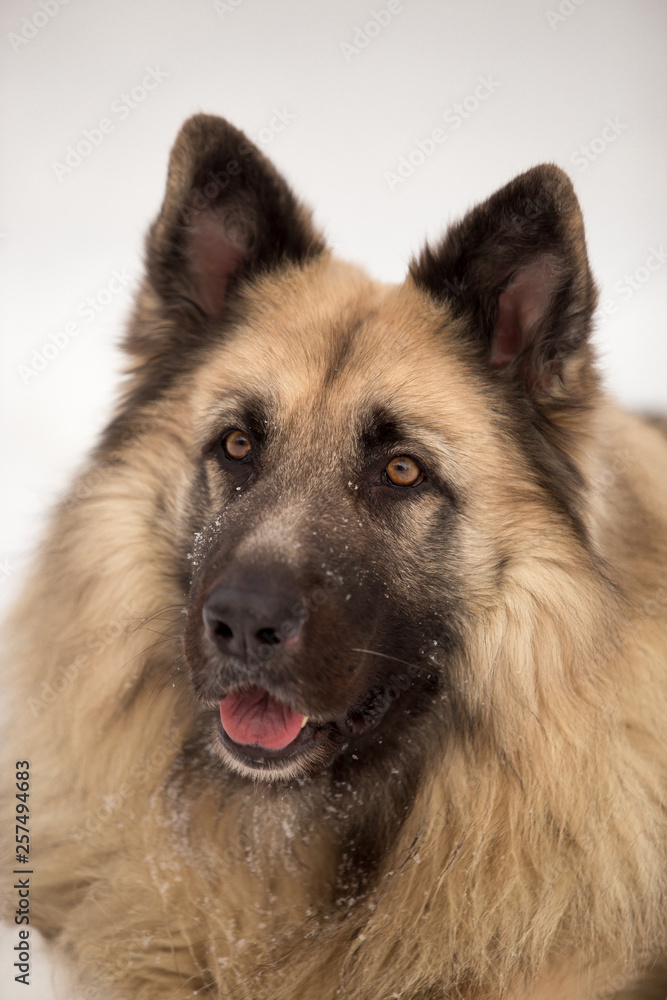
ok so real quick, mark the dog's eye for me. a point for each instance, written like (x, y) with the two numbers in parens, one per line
(237, 446)
(403, 471)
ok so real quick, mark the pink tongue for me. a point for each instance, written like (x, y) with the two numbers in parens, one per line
(255, 717)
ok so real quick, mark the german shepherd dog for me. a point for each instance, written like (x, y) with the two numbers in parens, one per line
(343, 670)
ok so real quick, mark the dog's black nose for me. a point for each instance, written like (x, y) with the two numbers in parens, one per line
(249, 616)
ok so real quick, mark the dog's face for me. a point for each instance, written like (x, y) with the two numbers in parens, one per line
(326, 583)
(367, 461)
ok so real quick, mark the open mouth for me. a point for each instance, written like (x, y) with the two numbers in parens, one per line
(258, 728)
(256, 725)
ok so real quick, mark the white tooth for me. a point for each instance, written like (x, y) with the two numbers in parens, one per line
(304, 721)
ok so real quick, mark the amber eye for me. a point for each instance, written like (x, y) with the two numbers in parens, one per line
(237, 445)
(404, 471)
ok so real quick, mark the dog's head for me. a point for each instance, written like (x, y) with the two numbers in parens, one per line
(372, 470)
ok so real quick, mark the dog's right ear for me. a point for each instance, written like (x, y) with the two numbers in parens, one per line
(227, 214)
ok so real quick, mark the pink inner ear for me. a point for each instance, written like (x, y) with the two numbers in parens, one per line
(520, 308)
(214, 259)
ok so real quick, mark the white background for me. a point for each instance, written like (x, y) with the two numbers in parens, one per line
(560, 72)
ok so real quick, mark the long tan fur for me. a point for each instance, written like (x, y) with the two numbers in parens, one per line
(532, 862)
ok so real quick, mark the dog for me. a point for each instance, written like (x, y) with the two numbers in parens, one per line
(342, 672)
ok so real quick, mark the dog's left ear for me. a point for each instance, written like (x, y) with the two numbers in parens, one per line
(515, 270)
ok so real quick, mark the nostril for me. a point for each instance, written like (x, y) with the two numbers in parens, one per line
(268, 636)
(242, 621)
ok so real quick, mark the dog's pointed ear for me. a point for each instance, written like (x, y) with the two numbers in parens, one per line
(227, 213)
(515, 270)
